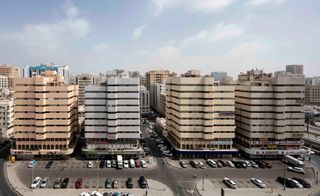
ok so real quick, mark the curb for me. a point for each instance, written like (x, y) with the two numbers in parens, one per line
(5, 172)
(171, 164)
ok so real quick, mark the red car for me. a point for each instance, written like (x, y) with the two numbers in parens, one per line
(138, 163)
(268, 164)
(79, 183)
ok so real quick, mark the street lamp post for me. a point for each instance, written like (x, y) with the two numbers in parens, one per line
(97, 176)
(164, 175)
(284, 176)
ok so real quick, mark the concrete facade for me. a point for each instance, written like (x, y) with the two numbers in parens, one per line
(155, 92)
(200, 116)
(269, 114)
(144, 101)
(162, 110)
(112, 118)
(294, 69)
(82, 81)
(312, 95)
(4, 82)
(6, 119)
(157, 76)
(11, 72)
(46, 117)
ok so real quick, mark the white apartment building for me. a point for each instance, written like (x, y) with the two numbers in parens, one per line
(4, 82)
(144, 101)
(200, 116)
(112, 118)
(155, 91)
(269, 114)
(6, 119)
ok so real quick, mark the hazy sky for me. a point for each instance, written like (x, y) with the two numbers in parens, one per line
(210, 35)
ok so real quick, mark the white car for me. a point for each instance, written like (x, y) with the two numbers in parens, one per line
(230, 183)
(201, 165)
(212, 163)
(296, 169)
(258, 182)
(230, 164)
(35, 183)
(44, 182)
(143, 164)
(108, 164)
(96, 193)
(90, 164)
(125, 164)
(85, 194)
(248, 163)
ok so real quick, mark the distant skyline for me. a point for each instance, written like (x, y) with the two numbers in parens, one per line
(210, 35)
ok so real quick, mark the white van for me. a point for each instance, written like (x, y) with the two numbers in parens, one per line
(132, 164)
(230, 183)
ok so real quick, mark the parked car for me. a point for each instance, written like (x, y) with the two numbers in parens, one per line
(222, 163)
(143, 182)
(85, 194)
(57, 183)
(90, 164)
(296, 169)
(143, 163)
(32, 163)
(102, 164)
(108, 183)
(212, 163)
(268, 164)
(108, 164)
(201, 165)
(96, 193)
(230, 183)
(132, 163)
(78, 183)
(281, 180)
(258, 182)
(230, 164)
(114, 163)
(138, 163)
(125, 164)
(303, 182)
(129, 183)
(44, 182)
(248, 164)
(295, 183)
(287, 182)
(254, 164)
(35, 183)
(65, 183)
(49, 164)
(183, 164)
(194, 164)
(261, 164)
(115, 184)
(219, 164)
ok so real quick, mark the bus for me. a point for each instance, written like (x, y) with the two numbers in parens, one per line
(119, 161)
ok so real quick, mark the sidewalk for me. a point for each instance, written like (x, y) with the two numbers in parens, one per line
(155, 188)
(211, 190)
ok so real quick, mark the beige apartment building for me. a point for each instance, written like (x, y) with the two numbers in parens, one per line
(269, 114)
(200, 116)
(11, 72)
(84, 80)
(46, 117)
(157, 76)
(312, 95)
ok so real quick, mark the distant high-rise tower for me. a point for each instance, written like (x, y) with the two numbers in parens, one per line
(11, 72)
(157, 76)
(294, 69)
(218, 75)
